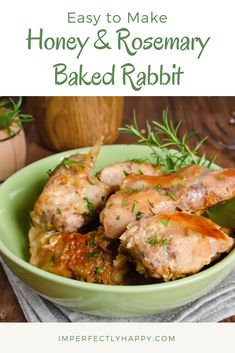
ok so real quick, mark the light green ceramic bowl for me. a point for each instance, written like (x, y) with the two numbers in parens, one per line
(17, 197)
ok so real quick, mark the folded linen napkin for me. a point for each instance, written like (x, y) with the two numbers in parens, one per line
(215, 306)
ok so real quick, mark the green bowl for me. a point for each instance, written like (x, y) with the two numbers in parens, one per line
(17, 197)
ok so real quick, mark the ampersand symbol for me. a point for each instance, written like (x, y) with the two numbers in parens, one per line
(100, 43)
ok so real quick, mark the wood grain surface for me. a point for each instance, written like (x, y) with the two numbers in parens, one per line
(70, 122)
(207, 115)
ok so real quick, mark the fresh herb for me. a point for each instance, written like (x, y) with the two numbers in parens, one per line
(171, 195)
(125, 202)
(92, 243)
(67, 163)
(59, 211)
(49, 172)
(135, 207)
(10, 113)
(91, 255)
(90, 205)
(98, 270)
(90, 181)
(161, 136)
(165, 222)
(159, 189)
(152, 241)
(165, 242)
(125, 173)
(140, 172)
(139, 160)
(139, 215)
(126, 191)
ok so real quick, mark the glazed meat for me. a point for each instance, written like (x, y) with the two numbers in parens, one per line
(72, 195)
(143, 196)
(208, 190)
(114, 174)
(87, 257)
(171, 246)
(192, 189)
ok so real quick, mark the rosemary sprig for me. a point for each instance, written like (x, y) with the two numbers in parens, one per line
(168, 150)
(10, 112)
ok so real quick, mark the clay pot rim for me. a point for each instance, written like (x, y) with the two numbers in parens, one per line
(10, 137)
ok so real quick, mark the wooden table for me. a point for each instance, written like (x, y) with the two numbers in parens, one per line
(204, 114)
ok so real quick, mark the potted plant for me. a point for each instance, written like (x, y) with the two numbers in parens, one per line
(12, 137)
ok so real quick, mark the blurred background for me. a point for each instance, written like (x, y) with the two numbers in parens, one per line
(90, 117)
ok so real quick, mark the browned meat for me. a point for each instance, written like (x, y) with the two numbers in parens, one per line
(143, 196)
(114, 174)
(208, 190)
(72, 195)
(171, 246)
(192, 189)
(87, 257)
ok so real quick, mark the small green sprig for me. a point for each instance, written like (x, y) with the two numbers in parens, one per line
(10, 112)
(168, 150)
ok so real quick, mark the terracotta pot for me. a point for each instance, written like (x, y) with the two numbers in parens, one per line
(69, 122)
(12, 151)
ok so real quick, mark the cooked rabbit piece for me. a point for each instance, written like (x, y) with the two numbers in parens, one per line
(208, 190)
(114, 174)
(143, 196)
(87, 257)
(170, 246)
(72, 195)
(192, 189)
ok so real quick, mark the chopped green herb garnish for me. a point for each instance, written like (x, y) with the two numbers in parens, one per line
(135, 207)
(139, 215)
(159, 189)
(92, 243)
(151, 204)
(59, 211)
(165, 222)
(98, 270)
(125, 191)
(152, 241)
(90, 205)
(49, 172)
(139, 160)
(67, 163)
(125, 173)
(91, 255)
(171, 195)
(165, 242)
(140, 172)
(162, 137)
(125, 202)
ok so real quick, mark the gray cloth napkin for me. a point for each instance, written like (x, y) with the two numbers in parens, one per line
(215, 306)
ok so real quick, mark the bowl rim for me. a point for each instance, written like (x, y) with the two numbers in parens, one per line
(76, 284)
